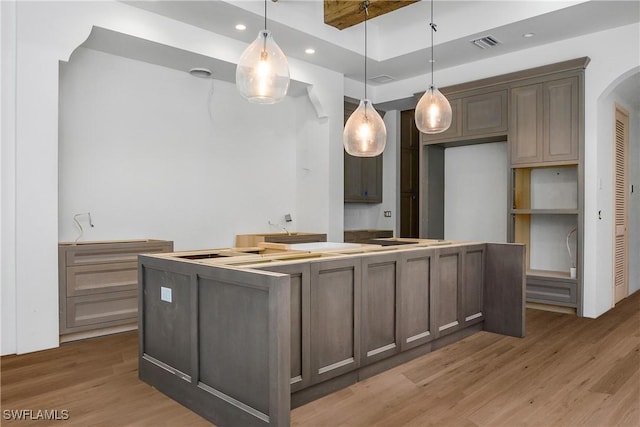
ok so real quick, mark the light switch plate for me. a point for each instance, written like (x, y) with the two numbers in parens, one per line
(165, 294)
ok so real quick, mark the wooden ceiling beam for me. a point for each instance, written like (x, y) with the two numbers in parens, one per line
(346, 13)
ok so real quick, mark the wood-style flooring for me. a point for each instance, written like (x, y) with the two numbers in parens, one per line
(568, 371)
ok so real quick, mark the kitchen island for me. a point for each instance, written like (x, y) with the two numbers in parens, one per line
(241, 335)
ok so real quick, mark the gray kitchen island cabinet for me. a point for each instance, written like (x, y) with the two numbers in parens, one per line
(297, 326)
(335, 317)
(381, 312)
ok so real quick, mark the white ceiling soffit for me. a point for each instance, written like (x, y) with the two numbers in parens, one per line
(131, 47)
(399, 41)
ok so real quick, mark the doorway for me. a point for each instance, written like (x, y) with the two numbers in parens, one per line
(409, 175)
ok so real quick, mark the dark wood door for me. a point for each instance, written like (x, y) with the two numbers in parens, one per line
(409, 175)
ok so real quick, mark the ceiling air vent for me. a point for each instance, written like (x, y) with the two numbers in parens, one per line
(381, 79)
(486, 42)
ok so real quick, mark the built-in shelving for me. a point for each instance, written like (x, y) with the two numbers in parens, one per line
(544, 211)
(545, 217)
(550, 273)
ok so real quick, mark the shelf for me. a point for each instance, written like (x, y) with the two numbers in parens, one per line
(551, 274)
(544, 211)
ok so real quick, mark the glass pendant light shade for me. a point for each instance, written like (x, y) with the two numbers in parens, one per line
(262, 74)
(365, 134)
(433, 112)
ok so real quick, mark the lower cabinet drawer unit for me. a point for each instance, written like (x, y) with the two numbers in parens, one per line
(112, 308)
(98, 284)
(557, 292)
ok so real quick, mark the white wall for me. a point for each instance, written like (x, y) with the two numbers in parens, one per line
(48, 33)
(8, 175)
(475, 192)
(362, 216)
(144, 151)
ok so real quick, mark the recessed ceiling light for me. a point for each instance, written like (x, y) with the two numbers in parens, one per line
(527, 35)
(309, 51)
(241, 27)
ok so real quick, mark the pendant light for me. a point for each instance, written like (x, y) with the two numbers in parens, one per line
(262, 74)
(433, 112)
(364, 133)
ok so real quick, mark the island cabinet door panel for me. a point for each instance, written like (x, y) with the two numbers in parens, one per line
(416, 316)
(300, 331)
(473, 284)
(335, 318)
(166, 315)
(380, 326)
(446, 294)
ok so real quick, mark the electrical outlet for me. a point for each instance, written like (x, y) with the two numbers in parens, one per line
(387, 214)
(287, 218)
(165, 294)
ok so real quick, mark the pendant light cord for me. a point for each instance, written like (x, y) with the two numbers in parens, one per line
(365, 7)
(434, 28)
(264, 46)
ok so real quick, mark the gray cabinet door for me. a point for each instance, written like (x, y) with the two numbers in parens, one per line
(372, 179)
(416, 315)
(352, 178)
(526, 126)
(335, 317)
(362, 179)
(362, 175)
(300, 322)
(545, 122)
(446, 298)
(380, 291)
(473, 284)
(485, 113)
(561, 120)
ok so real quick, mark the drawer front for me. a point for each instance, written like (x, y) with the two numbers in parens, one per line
(548, 292)
(101, 278)
(112, 252)
(296, 238)
(96, 309)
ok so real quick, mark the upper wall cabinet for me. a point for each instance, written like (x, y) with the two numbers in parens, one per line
(484, 114)
(545, 122)
(474, 115)
(362, 175)
(362, 179)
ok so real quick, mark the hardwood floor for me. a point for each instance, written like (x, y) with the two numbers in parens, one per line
(568, 371)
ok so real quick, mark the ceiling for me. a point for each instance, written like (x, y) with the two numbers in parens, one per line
(399, 42)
